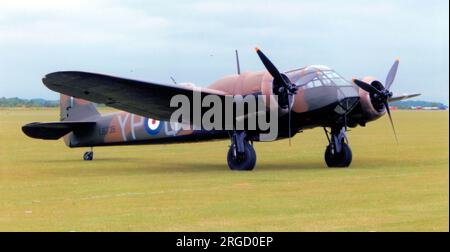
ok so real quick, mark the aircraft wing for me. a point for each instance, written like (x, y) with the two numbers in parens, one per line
(141, 98)
(403, 97)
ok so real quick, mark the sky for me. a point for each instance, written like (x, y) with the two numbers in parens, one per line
(194, 41)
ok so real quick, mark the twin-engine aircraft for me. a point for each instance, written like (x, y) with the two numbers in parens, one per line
(307, 97)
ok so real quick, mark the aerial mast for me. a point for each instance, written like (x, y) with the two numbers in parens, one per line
(237, 62)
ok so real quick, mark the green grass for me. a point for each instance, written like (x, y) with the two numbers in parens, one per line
(45, 186)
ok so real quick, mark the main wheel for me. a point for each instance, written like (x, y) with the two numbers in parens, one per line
(242, 162)
(338, 160)
(88, 156)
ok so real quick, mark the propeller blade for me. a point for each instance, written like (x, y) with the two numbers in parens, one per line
(366, 87)
(289, 116)
(269, 65)
(391, 75)
(388, 110)
(402, 97)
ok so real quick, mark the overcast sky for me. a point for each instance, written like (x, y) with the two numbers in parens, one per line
(194, 41)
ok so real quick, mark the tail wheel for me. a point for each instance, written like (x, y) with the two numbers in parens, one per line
(245, 161)
(342, 159)
(88, 156)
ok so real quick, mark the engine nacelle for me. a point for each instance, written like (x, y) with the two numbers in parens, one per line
(250, 83)
(372, 109)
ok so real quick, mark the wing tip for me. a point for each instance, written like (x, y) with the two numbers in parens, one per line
(55, 79)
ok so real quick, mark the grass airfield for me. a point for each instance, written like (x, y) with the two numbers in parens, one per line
(45, 186)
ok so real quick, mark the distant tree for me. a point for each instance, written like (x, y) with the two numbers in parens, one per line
(17, 102)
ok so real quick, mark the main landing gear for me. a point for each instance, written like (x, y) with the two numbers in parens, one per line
(338, 153)
(241, 155)
(88, 155)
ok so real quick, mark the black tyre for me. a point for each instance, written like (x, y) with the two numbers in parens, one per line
(338, 160)
(88, 156)
(243, 162)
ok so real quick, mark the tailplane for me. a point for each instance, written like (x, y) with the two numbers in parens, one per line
(76, 115)
(54, 130)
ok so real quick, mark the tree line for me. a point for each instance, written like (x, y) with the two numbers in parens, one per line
(39, 102)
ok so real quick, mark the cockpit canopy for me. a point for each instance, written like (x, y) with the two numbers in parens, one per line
(316, 76)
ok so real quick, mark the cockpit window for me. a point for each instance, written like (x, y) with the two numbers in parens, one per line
(317, 78)
(335, 78)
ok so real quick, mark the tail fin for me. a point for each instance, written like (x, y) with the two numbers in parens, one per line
(76, 115)
(74, 109)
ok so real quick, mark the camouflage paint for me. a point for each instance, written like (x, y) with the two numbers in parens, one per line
(125, 128)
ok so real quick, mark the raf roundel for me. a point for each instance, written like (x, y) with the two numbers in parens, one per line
(152, 126)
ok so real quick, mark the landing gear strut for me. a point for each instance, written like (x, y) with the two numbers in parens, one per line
(241, 155)
(89, 155)
(338, 153)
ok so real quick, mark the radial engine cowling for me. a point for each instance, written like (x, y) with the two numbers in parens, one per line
(372, 107)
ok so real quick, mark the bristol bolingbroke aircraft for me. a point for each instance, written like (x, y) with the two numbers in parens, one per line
(309, 97)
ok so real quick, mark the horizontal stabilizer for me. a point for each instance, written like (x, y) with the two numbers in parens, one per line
(54, 130)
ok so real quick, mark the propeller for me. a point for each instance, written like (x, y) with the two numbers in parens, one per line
(380, 94)
(289, 117)
(282, 86)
